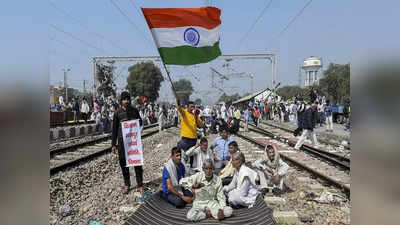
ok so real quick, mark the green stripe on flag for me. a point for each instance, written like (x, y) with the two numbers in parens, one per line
(188, 55)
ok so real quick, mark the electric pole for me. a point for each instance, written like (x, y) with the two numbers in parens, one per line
(84, 86)
(300, 76)
(252, 82)
(65, 83)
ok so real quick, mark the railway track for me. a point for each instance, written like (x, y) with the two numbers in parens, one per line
(71, 140)
(55, 125)
(69, 156)
(335, 158)
(329, 171)
(291, 131)
(74, 142)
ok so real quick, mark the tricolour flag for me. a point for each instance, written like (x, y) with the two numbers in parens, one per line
(185, 36)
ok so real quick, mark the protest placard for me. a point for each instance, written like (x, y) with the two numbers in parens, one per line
(132, 143)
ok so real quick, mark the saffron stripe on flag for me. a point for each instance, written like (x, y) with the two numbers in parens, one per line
(207, 17)
(188, 55)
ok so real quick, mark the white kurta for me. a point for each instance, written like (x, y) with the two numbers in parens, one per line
(199, 158)
(161, 120)
(210, 197)
(266, 178)
(242, 190)
(223, 113)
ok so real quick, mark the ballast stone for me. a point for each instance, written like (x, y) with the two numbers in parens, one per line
(286, 217)
(274, 200)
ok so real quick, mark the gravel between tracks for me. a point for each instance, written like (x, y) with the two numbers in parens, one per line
(299, 197)
(76, 140)
(94, 189)
(301, 201)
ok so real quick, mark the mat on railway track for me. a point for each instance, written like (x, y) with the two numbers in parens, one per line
(155, 210)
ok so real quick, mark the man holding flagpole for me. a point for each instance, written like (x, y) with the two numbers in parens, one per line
(189, 123)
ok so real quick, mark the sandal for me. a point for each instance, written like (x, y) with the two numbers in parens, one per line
(126, 190)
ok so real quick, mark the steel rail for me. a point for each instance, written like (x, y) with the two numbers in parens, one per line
(337, 159)
(344, 187)
(332, 154)
(292, 131)
(63, 124)
(74, 146)
(93, 155)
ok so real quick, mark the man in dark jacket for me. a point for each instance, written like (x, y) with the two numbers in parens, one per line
(308, 123)
(313, 95)
(75, 109)
(125, 113)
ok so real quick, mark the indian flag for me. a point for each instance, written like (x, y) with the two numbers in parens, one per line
(185, 36)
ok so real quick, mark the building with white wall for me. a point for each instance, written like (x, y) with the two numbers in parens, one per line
(311, 66)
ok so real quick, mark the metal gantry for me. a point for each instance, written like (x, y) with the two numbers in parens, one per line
(271, 57)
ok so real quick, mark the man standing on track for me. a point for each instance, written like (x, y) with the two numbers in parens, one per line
(308, 124)
(85, 109)
(246, 118)
(125, 113)
(189, 123)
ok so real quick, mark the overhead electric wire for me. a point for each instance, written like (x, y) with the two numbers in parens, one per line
(291, 21)
(74, 60)
(137, 9)
(77, 21)
(131, 22)
(254, 23)
(78, 39)
(70, 46)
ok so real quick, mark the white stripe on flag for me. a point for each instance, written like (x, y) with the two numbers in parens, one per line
(173, 37)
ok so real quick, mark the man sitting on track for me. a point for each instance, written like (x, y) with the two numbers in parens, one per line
(200, 152)
(173, 171)
(227, 173)
(271, 169)
(209, 198)
(222, 154)
(242, 191)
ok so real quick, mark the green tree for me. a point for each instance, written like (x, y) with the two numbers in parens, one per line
(144, 80)
(104, 75)
(287, 92)
(335, 84)
(184, 89)
(228, 99)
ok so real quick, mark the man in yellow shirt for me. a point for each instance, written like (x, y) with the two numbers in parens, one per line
(189, 123)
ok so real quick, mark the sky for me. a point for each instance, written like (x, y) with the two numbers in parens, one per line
(337, 31)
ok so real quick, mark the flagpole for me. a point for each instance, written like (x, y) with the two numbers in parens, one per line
(172, 85)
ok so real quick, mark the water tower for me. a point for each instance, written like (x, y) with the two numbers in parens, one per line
(311, 66)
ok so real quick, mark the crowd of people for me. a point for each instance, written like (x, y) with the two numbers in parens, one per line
(101, 110)
(213, 174)
(210, 174)
(215, 178)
